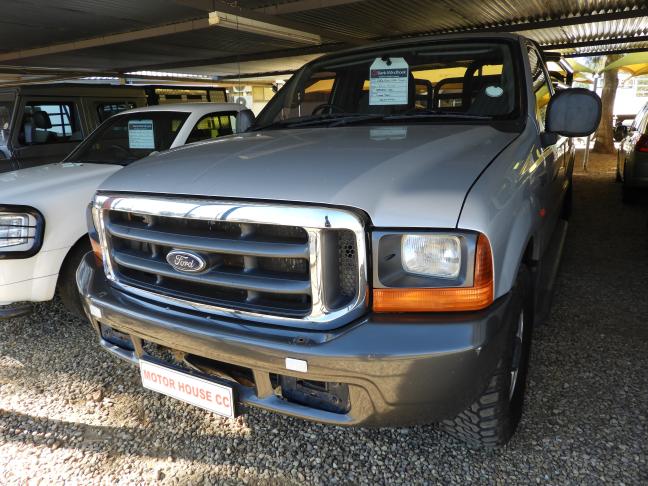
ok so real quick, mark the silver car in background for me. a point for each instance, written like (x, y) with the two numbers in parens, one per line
(375, 250)
(632, 157)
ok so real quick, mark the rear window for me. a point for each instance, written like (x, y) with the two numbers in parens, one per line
(126, 138)
(106, 110)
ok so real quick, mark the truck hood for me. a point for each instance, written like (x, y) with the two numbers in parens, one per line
(61, 192)
(414, 176)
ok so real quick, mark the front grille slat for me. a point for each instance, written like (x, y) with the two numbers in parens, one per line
(239, 280)
(267, 249)
(279, 264)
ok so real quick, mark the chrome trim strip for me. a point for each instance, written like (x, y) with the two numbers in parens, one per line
(211, 245)
(235, 280)
(315, 220)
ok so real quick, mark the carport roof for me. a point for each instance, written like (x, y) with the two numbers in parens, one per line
(76, 37)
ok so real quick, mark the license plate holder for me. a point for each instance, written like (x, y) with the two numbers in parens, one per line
(187, 387)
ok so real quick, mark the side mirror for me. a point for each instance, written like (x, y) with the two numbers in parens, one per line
(573, 112)
(244, 120)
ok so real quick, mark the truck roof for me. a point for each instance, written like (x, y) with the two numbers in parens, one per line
(76, 89)
(421, 40)
(197, 107)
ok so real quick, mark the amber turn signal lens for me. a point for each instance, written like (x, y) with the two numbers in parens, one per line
(450, 299)
(96, 249)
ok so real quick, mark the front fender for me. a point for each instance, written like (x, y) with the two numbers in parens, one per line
(504, 205)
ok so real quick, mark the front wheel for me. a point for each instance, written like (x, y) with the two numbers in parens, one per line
(66, 285)
(492, 419)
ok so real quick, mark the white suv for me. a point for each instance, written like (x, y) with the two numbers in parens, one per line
(43, 230)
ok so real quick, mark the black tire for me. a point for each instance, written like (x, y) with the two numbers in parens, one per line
(568, 202)
(493, 418)
(66, 285)
(618, 177)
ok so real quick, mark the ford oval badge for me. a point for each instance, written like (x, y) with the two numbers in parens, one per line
(186, 261)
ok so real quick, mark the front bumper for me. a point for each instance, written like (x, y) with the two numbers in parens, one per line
(400, 369)
(31, 279)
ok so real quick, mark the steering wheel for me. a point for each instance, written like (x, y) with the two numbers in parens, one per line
(331, 109)
(118, 148)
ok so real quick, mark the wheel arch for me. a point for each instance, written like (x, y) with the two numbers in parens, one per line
(521, 247)
(80, 242)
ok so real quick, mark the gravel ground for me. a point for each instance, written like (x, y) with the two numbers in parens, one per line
(69, 412)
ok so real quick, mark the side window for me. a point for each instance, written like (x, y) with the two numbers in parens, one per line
(5, 114)
(107, 109)
(212, 126)
(643, 125)
(6, 107)
(317, 92)
(541, 87)
(640, 119)
(50, 122)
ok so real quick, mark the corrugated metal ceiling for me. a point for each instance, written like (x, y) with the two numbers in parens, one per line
(565, 24)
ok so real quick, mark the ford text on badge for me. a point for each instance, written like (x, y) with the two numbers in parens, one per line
(186, 261)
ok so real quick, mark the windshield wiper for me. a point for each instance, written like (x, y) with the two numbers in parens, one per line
(333, 119)
(299, 121)
(340, 119)
(437, 114)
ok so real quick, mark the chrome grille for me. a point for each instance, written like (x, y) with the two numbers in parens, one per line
(270, 263)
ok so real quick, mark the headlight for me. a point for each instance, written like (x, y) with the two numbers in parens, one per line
(21, 231)
(425, 271)
(431, 255)
(14, 229)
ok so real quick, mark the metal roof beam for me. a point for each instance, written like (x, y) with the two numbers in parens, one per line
(303, 6)
(244, 76)
(278, 9)
(597, 42)
(148, 33)
(561, 22)
(606, 52)
(270, 15)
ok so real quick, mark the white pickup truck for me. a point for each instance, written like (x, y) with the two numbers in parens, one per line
(43, 230)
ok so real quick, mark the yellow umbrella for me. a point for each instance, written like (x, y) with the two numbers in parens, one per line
(635, 63)
(578, 67)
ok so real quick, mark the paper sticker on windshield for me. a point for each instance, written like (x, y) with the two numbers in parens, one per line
(494, 91)
(140, 134)
(389, 82)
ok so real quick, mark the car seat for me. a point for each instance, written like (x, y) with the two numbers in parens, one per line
(36, 128)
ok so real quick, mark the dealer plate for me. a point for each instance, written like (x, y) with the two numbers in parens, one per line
(191, 389)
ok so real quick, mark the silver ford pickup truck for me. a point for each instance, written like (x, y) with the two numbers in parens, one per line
(374, 250)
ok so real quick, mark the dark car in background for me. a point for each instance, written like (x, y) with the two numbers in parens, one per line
(42, 124)
(632, 159)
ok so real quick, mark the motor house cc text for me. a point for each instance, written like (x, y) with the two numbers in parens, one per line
(188, 389)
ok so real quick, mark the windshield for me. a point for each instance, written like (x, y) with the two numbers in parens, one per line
(470, 80)
(126, 138)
